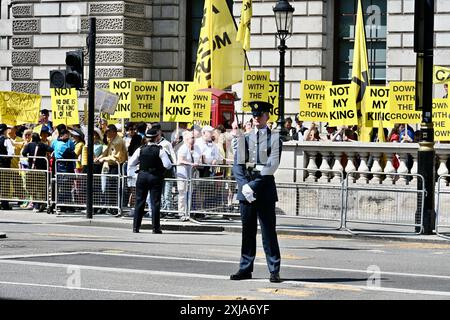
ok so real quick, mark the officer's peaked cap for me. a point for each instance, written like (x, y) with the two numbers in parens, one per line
(259, 107)
(152, 132)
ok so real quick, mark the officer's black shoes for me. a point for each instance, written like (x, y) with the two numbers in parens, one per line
(241, 276)
(158, 231)
(275, 277)
(135, 230)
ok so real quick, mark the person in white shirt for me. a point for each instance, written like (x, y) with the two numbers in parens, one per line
(188, 156)
(209, 151)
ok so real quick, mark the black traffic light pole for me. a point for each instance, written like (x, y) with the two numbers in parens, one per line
(423, 46)
(91, 108)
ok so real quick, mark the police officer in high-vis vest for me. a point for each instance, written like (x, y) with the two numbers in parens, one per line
(257, 157)
(153, 161)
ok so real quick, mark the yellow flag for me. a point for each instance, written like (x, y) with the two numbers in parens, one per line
(360, 72)
(243, 34)
(220, 58)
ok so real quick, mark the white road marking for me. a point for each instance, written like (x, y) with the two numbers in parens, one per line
(418, 275)
(96, 289)
(195, 275)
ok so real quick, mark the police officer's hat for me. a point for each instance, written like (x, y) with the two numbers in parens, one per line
(151, 133)
(259, 107)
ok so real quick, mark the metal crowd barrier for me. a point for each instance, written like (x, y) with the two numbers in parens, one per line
(315, 195)
(70, 188)
(170, 202)
(384, 205)
(442, 226)
(23, 184)
(214, 194)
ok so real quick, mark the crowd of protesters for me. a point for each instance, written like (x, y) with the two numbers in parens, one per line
(194, 151)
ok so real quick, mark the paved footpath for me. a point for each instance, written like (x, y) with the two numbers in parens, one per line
(285, 226)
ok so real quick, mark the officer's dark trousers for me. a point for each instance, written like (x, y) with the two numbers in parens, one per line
(145, 183)
(267, 220)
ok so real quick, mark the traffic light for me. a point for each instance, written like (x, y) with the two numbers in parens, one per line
(74, 69)
(57, 78)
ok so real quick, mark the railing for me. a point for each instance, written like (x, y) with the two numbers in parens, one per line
(310, 183)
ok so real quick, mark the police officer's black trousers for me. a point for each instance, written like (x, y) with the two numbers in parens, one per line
(145, 183)
(250, 212)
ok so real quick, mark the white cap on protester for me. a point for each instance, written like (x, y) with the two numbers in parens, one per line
(207, 128)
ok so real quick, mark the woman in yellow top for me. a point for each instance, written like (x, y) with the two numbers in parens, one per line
(78, 139)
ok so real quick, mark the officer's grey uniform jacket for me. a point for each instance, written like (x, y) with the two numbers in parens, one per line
(257, 168)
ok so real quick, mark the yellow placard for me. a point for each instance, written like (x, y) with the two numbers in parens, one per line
(18, 108)
(178, 97)
(340, 103)
(313, 105)
(441, 74)
(145, 101)
(273, 99)
(201, 102)
(377, 107)
(255, 87)
(108, 118)
(64, 106)
(122, 87)
(441, 119)
(402, 102)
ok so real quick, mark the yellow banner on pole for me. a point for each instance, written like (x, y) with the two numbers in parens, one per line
(441, 74)
(377, 107)
(340, 101)
(122, 87)
(402, 101)
(243, 33)
(312, 100)
(360, 72)
(64, 106)
(145, 101)
(255, 87)
(18, 108)
(178, 98)
(441, 119)
(201, 102)
(220, 58)
(273, 99)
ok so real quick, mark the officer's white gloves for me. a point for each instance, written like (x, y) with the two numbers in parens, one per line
(248, 193)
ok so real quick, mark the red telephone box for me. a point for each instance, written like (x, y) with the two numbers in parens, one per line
(222, 107)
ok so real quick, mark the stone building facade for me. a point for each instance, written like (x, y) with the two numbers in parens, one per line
(153, 40)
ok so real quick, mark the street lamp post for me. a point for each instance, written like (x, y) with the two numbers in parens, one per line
(283, 17)
(423, 46)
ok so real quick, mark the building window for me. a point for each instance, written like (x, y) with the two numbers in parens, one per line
(375, 24)
(193, 26)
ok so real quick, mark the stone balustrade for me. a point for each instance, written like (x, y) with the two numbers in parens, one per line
(372, 161)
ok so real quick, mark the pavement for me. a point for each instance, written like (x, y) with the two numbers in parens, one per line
(285, 226)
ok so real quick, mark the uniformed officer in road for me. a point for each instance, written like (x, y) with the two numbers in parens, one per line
(257, 157)
(153, 161)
